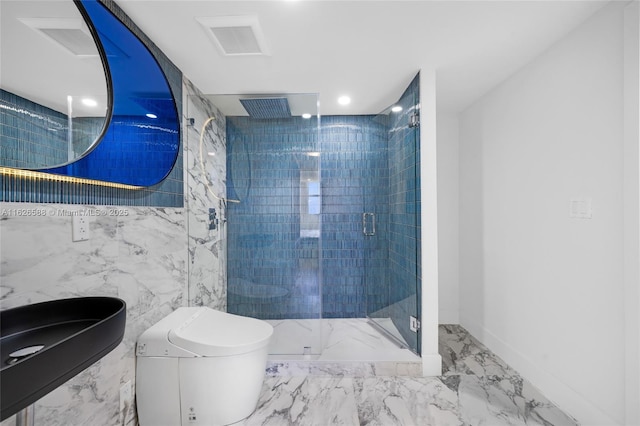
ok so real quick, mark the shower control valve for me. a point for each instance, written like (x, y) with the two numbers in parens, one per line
(213, 219)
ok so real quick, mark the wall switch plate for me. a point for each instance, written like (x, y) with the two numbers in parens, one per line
(580, 208)
(79, 228)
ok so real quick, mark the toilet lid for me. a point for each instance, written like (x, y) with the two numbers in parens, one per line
(213, 333)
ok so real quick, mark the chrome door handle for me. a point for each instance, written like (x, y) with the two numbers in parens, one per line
(369, 226)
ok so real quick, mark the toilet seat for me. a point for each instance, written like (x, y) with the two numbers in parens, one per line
(209, 333)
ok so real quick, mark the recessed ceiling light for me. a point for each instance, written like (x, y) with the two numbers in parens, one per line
(396, 108)
(89, 102)
(306, 115)
(151, 115)
(313, 154)
(344, 100)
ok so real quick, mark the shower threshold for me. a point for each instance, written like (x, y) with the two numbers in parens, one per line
(351, 347)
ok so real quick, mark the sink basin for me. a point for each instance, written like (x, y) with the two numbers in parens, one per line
(45, 344)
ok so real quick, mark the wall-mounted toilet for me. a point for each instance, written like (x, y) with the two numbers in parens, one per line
(198, 366)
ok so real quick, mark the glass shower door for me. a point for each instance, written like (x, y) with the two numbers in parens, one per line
(391, 225)
(274, 222)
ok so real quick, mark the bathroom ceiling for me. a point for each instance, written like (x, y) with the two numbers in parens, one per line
(369, 50)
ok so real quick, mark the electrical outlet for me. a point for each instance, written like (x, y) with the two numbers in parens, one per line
(126, 403)
(79, 228)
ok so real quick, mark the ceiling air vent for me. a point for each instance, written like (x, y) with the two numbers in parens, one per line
(267, 108)
(70, 33)
(236, 35)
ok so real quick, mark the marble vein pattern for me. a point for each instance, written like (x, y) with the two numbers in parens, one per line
(138, 256)
(357, 339)
(352, 347)
(305, 400)
(143, 255)
(475, 388)
(205, 189)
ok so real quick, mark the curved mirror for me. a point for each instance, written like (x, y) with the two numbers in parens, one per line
(53, 90)
(140, 141)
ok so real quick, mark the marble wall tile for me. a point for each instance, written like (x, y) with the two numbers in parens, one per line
(205, 188)
(144, 257)
(139, 256)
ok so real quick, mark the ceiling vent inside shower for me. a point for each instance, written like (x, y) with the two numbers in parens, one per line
(236, 35)
(266, 108)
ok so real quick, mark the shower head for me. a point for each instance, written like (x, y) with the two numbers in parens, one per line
(267, 107)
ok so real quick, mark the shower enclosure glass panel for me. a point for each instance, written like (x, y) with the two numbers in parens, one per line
(391, 225)
(205, 172)
(274, 216)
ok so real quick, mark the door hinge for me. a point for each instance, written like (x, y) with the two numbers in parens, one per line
(414, 120)
(414, 324)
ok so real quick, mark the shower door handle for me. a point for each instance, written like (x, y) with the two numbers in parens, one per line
(369, 224)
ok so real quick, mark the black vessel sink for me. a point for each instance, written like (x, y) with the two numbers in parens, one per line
(45, 344)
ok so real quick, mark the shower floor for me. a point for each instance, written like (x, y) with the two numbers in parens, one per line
(336, 346)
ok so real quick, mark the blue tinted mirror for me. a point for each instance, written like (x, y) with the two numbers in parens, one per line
(53, 90)
(141, 139)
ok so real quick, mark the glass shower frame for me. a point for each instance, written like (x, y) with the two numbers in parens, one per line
(391, 228)
(275, 218)
(312, 206)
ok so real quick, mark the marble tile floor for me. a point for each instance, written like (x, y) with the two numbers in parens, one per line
(476, 388)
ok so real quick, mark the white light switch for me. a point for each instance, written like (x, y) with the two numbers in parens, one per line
(580, 208)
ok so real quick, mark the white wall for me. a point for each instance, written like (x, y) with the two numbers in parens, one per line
(448, 207)
(431, 359)
(541, 289)
(632, 209)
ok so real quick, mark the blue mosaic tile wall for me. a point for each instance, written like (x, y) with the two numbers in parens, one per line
(355, 179)
(168, 193)
(23, 127)
(367, 164)
(272, 271)
(33, 135)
